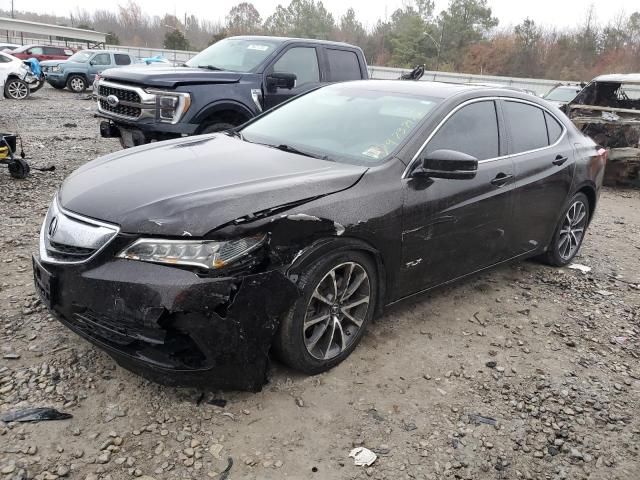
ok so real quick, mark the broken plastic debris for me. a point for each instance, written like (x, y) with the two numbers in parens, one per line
(225, 473)
(477, 419)
(37, 414)
(363, 456)
(582, 268)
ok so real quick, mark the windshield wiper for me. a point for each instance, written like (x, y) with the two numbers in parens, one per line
(210, 67)
(234, 133)
(290, 149)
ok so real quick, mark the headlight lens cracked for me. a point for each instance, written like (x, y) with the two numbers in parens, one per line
(207, 254)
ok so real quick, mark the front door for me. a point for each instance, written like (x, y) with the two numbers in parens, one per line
(455, 227)
(303, 63)
(544, 164)
(99, 62)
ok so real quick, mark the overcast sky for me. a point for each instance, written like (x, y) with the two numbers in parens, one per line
(558, 13)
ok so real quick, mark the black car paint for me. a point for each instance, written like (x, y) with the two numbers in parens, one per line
(422, 232)
(214, 93)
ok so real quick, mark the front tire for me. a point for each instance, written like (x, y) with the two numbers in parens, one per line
(77, 83)
(570, 232)
(327, 322)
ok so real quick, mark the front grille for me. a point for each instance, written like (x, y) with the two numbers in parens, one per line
(122, 94)
(70, 238)
(124, 110)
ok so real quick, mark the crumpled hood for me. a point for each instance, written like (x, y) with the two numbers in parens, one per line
(168, 77)
(193, 185)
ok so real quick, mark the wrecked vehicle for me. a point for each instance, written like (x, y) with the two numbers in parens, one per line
(295, 229)
(560, 95)
(608, 110)
(14, 77)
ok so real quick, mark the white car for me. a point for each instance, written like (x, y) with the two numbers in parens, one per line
(8, 47)
(13, 74)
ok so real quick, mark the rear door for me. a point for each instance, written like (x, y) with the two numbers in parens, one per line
(301, 60)
(455, 227)
(544, 164)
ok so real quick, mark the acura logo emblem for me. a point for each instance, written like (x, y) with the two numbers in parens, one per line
(113, 101)
(53, 226)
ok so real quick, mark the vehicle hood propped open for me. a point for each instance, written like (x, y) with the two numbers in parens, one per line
(192, 186)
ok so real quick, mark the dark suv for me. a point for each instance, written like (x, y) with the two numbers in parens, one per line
(222, 87)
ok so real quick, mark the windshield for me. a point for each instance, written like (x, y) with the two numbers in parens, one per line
(562, 94)
(238, 55)
(80, 57)
(343, 123)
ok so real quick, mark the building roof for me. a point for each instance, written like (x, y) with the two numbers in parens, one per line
(51, 30)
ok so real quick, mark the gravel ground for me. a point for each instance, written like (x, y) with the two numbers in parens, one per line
(549, 356)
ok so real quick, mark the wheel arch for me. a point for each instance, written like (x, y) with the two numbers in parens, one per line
(590, 192)
(327, 245)
(232, 112)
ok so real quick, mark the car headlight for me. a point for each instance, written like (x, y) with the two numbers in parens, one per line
(207, 254)
(170, 106)
(56, 68)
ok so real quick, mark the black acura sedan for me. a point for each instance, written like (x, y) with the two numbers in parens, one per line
(190, 260)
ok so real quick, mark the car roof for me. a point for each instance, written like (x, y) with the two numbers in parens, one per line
(619, 78)
(293, 39)
(432, 89)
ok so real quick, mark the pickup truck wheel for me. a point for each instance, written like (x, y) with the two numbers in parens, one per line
(77, 83)
(16, 89)
(217, 127)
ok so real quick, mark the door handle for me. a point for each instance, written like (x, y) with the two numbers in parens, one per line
(560, 160)
(501, 179)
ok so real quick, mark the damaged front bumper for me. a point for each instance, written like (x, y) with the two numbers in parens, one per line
(168, 324)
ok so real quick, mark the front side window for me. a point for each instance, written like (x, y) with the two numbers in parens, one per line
(472, 130)
(344, 124)
(301, 61)
(527, 125)
(4, 59)
(343, 65)
(122, 59)
(35, 51)
(52, 51)
(101, 59)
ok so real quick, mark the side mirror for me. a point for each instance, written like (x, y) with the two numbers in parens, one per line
(281, 80)
(449, 164)
(92, 62)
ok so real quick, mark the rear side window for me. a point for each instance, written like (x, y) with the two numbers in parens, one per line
(122, 59)
(472, 130)
(343, 65)
(527, 125)
(302, 61)
(4, 59)
(52, 51)
(553, 128)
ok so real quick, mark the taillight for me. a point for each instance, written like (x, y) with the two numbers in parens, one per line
(604, 154)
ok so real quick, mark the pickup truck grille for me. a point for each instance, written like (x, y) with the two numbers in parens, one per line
(133, 102)
(123, 110)
(121, 93)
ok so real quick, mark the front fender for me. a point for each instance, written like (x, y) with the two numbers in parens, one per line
(221, 106)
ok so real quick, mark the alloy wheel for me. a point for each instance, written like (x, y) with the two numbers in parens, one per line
(77, 84)
(17, 90)
(572, 230)
(336, 310)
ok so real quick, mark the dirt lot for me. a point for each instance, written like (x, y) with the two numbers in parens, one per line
(551, 354)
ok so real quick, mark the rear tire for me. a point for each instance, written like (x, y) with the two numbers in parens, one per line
(77, 83)
(570, 232)
(16, 89)
(316, 334)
